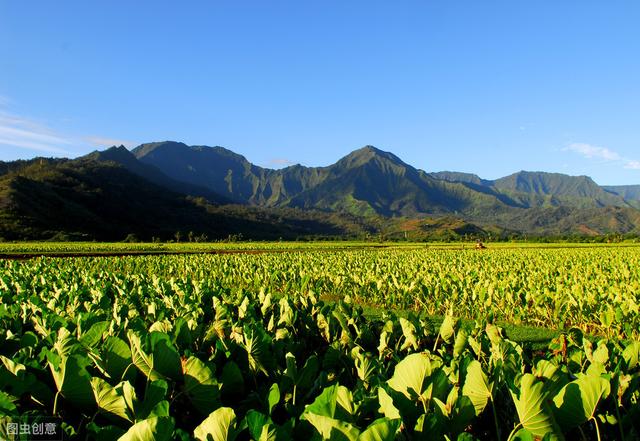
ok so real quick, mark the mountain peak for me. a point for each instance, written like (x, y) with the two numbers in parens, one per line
(118, 154)
(366, 154)
(164, 146)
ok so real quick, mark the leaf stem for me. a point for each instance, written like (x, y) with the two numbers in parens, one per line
(55, 404)
(597, 428)
(295, 387)
(125, 371)
(495, 417)
(513, 432)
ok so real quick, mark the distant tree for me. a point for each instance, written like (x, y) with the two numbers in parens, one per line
(178, 236)
(131, 238)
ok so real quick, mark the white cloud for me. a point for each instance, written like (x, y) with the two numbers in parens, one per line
(29, 134)
(593, 151)
(633, 165)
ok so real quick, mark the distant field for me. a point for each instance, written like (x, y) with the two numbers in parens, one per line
(72, 248)
(550, 285)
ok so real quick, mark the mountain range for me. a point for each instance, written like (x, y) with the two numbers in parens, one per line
(163, 187)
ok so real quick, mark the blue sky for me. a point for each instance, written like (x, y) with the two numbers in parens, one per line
(488, 87)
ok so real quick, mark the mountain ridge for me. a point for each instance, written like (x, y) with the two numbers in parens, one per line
(235, 177)
(368, 190)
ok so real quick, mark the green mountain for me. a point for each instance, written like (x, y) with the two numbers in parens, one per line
(630, 193)
(370, 181)
(227, 173)
(162, 188)
(367, 181)
(540, 189)
(466, 178)
(555, 189)
(102, 200)
(122, 156)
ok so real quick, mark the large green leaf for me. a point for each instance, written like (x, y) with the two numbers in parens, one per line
(366, 365)
(411, 376)
(201, 386)
(382, 429)
(273, 397)
(65, 344)
(7, 404)
(72, 380)
(218, 426)
(332, 412)
(232, 381)
(166, 358)
(94, 335)
(631, 354)
(448, 329)
(257, 343)
(331, 428)
(151, 429)
(116, 357)
(457, 414)
(577, 401)
(533, 410)
(154, 395)
(387, 408)
(141, 359)
(477, 386)
(334, 402)
(460, 343)
(305, 377)
(409, 333)
(15, 380)
(110, 399)
(104, 433)
(160, 360)
(260, 426)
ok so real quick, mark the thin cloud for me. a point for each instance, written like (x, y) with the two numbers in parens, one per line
(593, 151)
(26, 133)
(280, 162)
(99, 141)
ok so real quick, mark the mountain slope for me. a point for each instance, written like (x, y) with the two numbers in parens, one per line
(556, 189)
(466, 178)
(160, 188)
(630, 193)
(541, 189)
(101, 200)
(227, 173)
(122, 156)
(366, 181)
(370, 181)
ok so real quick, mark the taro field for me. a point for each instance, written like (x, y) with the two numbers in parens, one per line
(408, 343)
